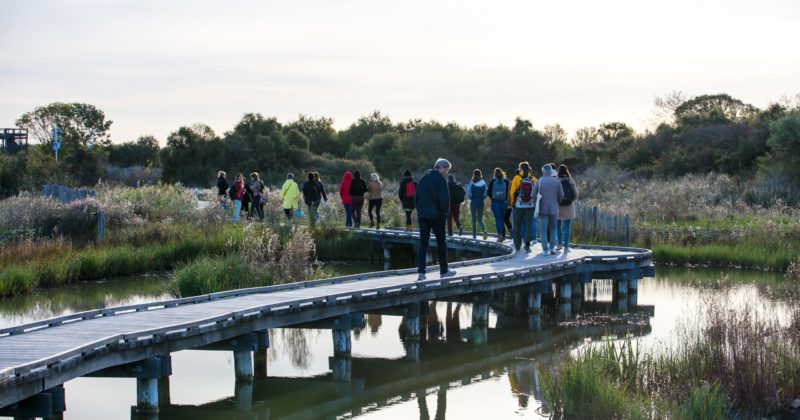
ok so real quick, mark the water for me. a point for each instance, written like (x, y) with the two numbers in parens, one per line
(462, 372)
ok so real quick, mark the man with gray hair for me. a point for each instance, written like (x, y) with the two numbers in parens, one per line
(433, 203)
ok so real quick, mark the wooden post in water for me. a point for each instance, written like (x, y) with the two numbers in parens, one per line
(260, 355)
(480, 314)
(565, 290)
(341, 364)
(621, 287)
(147, 395)
(243, 394)
(243, 364)
(534, 302)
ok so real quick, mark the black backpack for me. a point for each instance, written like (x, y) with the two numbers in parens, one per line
(569, 192)
(458, 194)
(232, 192)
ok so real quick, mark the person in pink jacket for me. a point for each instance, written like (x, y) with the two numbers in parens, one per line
(344, 192)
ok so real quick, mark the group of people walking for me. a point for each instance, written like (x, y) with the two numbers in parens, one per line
(248, 196)
(519, 205)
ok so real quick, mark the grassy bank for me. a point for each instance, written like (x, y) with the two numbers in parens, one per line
(266, 256)
(53, 263)
(740, 256)
(737, 362)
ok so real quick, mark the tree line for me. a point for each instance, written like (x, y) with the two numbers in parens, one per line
(708, 133)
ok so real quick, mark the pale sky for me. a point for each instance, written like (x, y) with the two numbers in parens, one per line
(154, 66)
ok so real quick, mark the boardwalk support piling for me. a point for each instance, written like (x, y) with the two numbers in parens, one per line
(565, 290)
(534, 302)
(621, 287)
(243, 364)
(146, 395)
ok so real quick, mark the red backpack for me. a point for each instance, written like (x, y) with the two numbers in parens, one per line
(525, 197)
(411, 190)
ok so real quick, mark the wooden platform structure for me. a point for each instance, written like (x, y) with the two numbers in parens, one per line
(135, 341)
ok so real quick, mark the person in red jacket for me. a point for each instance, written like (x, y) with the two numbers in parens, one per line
(238, 192)
(344, 192)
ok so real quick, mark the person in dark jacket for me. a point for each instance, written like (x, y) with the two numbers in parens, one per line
(357, 190)
(457, 194)
(312, 197)
(222, 190)
(498, 193)
(433, 204)
(247, 198)
(259, 189)
(321, 186)
(407, 194)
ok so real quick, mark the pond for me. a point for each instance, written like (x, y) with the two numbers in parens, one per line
(455, 370)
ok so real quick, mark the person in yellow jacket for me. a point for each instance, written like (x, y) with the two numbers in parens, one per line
(290, 195)
(513, 193)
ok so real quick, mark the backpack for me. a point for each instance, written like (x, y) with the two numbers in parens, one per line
(525, 195)
(411, 190)
(569, 193)
(232, 192)
(499, 190)
(459, 195)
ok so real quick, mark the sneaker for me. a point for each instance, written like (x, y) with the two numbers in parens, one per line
(553, 252)
(500, 238)
(449, 273)
(566, 250)
(485, 236)
(460, 231)
(474, 237)
(421, 277)
(527, 249)
(559, 248)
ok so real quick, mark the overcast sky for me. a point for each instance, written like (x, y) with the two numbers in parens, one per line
(154, 66)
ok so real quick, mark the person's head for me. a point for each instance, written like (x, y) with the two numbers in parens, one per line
(407, 173)
(311, 176)
(239, 176)
(316, 176)
(547, 170)
(563, 171)
(357, 174)
(555, 169)
(290, 176)
(221, 174)
(525, 169)
(477, 175)
(443, 166)
(451, 178)
(498, 173)
(254, 175)
(374, 177)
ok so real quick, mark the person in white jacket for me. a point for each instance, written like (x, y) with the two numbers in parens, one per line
(477, 193)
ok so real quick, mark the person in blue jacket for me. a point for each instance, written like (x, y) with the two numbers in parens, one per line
(432, 204)
(476, 193)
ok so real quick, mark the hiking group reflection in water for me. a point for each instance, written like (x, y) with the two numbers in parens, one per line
(444, 347)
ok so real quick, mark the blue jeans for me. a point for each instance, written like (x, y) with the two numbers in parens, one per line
(499, 212)
(425, 227)
(348, 215)
(567, 225)
(237, 208)
(547, 223)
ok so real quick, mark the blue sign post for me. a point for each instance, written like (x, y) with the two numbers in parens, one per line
(56, 134)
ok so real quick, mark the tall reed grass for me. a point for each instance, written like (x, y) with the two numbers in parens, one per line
(264, 257)
(737, 361)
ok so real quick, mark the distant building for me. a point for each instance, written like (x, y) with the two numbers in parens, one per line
(13, 140)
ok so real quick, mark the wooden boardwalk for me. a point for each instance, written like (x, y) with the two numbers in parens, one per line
(38, 356)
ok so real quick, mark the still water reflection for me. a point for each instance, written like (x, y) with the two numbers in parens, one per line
(456, 370)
